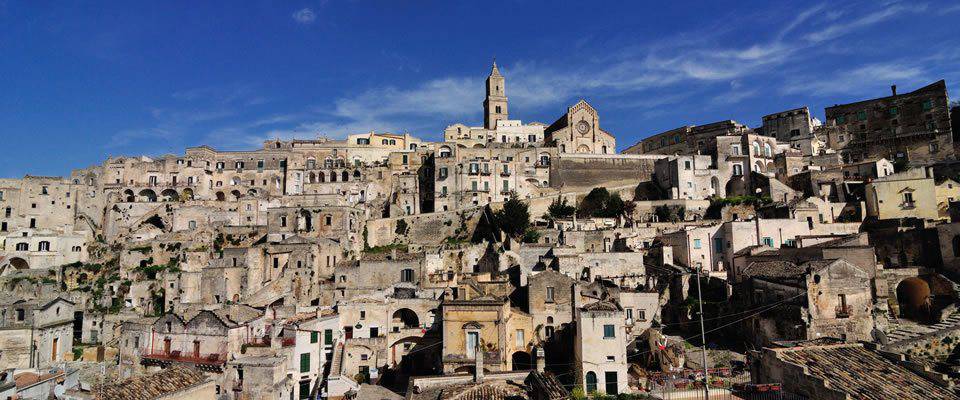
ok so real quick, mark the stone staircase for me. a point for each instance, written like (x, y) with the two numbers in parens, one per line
(904, 334)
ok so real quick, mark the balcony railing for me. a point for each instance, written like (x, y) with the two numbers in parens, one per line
(908, 205)
(177, 356)
(843, 311)
(542, 164)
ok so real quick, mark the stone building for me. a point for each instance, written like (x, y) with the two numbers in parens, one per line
(908, 194)
(36, 333)
(909, 127)
(825, 298)
(485, 324)
(600, 352)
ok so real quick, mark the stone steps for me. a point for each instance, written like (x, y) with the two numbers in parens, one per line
(901, 334)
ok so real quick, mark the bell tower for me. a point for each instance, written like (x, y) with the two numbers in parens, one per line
(495, 105)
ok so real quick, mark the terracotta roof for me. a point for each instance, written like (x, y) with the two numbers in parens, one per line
(494, 390)
(773, 269)
(147, 387)
(861, 373)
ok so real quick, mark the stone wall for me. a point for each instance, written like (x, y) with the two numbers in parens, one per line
(582, 172)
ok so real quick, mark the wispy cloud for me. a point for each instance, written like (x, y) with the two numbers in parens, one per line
(856, 81)
(304, 16)
(846, 26)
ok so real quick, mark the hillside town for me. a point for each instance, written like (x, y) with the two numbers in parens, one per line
(786, 258)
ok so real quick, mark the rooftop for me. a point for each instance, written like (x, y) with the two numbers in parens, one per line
(861, 373)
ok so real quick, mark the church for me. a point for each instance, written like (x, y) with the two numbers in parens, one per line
(576, 131)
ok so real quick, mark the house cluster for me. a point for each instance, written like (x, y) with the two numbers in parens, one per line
(507, 261)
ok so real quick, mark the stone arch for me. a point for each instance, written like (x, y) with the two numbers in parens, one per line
(356, 174)
(305, 222)
(169, 195)
(129, 196)
(405, 318)
(771, 167)
(759, 167)
(345, 176)
(148, 195)
(252, 192)
(221, 196)
(445, 151)
(311, 178)
(236, 194)
(520, 361)
(715, 186)
(187, 194)
(914, 299)
(19, 263)
(583, 148)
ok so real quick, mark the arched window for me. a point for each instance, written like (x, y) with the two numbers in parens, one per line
(345, 176)
(737, 169)
(766, 150)
(321, 177)
(333, 176)
(356, 174)
(22, 247)
(591, 382)
(44, 246)
(756, 148)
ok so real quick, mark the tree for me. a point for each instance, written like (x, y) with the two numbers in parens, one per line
(593, 202)
(560, 209)
(514, 218)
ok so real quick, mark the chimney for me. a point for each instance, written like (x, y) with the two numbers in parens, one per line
(893, 88)
(541, 359)
(478, 364)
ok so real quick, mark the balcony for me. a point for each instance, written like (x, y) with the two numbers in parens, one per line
(485, 173)
(204, 362)
(542, 164)
(504, 173)
(908, 205)
(843, 311)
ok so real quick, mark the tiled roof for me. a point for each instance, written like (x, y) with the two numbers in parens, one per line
(495, 390)
(862, 373)
(148, 387)
(773, 269)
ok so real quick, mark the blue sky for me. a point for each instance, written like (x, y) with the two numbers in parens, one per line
(80, 82)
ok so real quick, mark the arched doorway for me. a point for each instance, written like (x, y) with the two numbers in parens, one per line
(405, 318)
(187, 194)
(521, 361)
(19, 263)
(148, 195)
(129, 196)
(169, 195)
(221, 196)
(913, 296)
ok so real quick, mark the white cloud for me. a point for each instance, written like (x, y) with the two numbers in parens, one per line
(856, 81)
(846, 26)
(304, 16)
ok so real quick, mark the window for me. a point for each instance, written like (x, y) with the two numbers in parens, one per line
(841, 119)
(328, 336)
(521, 341)
(735, 149)
(609, 332)
(908, 199)
(686, 165)
(549, 294)
(641, 315)
(406, 275)
(22, 247)
(363, 314)
(768, 241)
(44, 246)
(7, 212)
(893, 112)
(718, 244)
(43, 190)
(737, 169)
(934, 147)
(861, 115)
(927, 105)
(305, 362)
(283, 220)
(314, 337)
(20, 314)
(33, 222)
(696, 243)
(629, 314)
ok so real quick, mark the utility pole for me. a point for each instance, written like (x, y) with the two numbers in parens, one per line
(703, 341)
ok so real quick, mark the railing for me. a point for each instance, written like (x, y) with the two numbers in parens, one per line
(843, 311)
(177, 356)
(542, 164)
(908, 205)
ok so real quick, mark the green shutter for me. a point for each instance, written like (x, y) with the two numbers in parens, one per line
(862, 115)
(328, 337)
(305, 362)
(314, 336)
